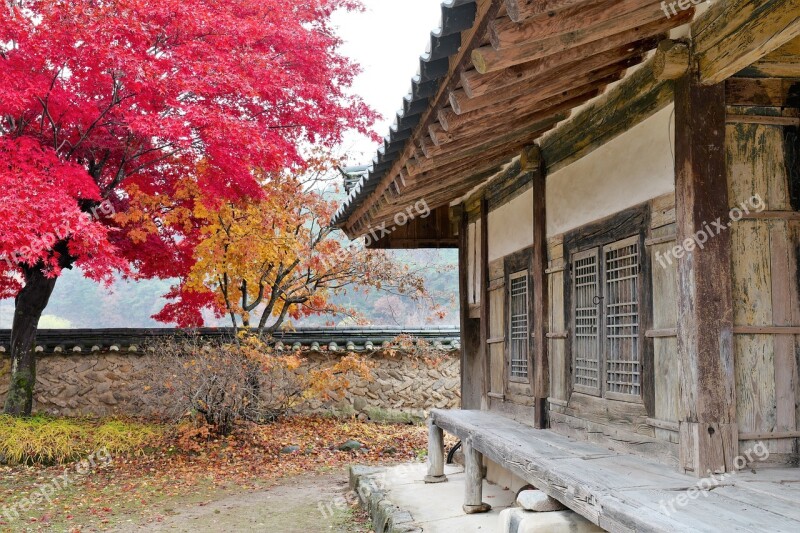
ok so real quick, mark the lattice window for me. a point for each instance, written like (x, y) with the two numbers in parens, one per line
(621, 299)
(586, 317)
(518, 320)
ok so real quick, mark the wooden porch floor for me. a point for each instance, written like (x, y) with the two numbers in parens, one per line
(621, 492)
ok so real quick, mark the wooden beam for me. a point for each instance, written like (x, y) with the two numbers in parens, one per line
(782, 63)
(470, 330)
(487, 59)
(707, 415)
(505, 33)
(671, 60)
(637, 97)
(734, 34)
(587, 57)
(531, 161)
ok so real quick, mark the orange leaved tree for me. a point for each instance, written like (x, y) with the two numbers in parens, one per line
(265, 262)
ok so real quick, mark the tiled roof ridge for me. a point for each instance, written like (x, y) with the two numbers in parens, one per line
(335, 339)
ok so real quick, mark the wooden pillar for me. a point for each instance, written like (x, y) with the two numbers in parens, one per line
(435, 454)
(708, 430)
(485, 307)
(473, 484)
(470, 328)
(532, 162)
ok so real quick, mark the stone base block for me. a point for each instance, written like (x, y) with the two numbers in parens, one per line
(435, 479)
(475, 509)
(536, 500)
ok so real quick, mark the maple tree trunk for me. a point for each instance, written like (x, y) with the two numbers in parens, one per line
(29, 304)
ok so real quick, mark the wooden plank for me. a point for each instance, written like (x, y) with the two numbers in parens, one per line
(768, 435)
(764, 92)
(705, 317)
(755, 383)
(632, 25)
(636, 98)
(616, 439)
(628, 416)
(497, 303)
(767, 330)
(751, 285)
(784, 313)
(556, 348)
(735, 34)
(766, 120)
(662, 212)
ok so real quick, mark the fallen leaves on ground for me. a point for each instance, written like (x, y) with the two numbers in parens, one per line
(192, 465)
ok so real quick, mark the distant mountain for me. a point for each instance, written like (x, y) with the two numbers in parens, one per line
(81, 303)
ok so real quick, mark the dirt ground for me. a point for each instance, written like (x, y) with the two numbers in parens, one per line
(302, 504)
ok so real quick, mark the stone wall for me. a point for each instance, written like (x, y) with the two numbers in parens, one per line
(115, 383)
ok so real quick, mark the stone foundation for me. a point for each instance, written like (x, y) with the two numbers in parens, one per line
(114, 383)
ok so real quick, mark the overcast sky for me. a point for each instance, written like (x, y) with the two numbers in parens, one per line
(386, 40)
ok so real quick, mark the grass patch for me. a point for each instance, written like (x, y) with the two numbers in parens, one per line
(45, 440)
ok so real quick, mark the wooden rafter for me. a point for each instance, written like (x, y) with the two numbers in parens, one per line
(637, 25)
(511, 140)
(636, 98)
(519, 10)
(461, 125)
(541, 87)
(595, 54)
(505, 33)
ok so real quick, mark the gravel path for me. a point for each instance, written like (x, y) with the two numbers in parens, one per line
(304, 504)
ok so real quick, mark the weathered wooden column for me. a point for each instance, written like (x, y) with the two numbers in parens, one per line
(708, 430)
(435, 454)
(485, 307)
(470, 329)
(531, 161)
(473, 484)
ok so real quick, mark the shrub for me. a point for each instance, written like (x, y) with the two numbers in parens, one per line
(243, 379)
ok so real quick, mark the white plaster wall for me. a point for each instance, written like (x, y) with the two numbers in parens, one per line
(511, 226)
(633, 168)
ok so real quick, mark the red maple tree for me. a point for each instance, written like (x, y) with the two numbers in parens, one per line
(101, 100)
